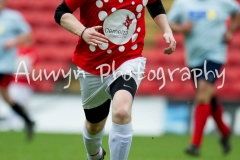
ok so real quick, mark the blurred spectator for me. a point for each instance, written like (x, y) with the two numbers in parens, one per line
(14, 30)
(202, 22)
(20, 91)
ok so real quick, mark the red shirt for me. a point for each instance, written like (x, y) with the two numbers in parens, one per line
(124, 25)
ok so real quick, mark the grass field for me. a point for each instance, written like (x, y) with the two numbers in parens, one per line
(70, 147)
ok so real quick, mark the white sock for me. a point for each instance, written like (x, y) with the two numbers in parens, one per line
(93, 144)
(120, 139)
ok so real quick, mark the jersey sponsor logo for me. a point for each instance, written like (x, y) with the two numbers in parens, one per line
(118, 33)
(197, 15)
(124, 85)
(120, 26)
(211, 15)
(203, 15)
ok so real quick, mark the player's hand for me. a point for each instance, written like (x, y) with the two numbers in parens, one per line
(168, 37)
(92, 37)
(187, 27)
(228, 37)
(9, 44)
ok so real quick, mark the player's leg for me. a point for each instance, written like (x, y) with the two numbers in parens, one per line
(217, 113)
(93, 130)
(205, 91)
(96, 106)
(204, 94)
(17, 108)
(120, 137)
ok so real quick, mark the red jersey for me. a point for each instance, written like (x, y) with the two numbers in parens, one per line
(124, 26)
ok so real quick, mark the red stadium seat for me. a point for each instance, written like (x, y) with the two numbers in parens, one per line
(158, 57)
(55, 52)
(43, 86)
(46, 67)
(34, 5)
(40, 20)
(235, 43)
(54, 36)
(234, 57)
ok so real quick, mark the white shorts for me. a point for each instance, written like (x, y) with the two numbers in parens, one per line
(95, 90)
(20, 92)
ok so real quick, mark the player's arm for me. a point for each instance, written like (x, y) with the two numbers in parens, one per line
(184, 28)
(23, 30)
(175, 18)
(234, 25)
(235, 22)
(158, 14)
(22, 38)
(64, 17)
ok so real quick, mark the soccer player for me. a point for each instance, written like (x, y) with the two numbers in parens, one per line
(13, 31)
(109, 54)
(202, 22)
(21, 91)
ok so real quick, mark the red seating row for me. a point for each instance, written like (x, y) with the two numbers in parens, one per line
(157, 56)
(45, 70)
(34, 5)
(55, 52)
(39, 20)
(43, 86)
(173, 89)
(185, 89)
(54, 36)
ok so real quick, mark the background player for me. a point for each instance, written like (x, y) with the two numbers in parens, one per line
(13, 31)
(110, 31)
(203, 24)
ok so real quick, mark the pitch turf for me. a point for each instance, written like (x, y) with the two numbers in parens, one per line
(70, 147)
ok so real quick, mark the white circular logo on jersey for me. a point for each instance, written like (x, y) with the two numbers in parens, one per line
(120, 26)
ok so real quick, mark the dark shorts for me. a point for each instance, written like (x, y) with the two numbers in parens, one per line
(5, 80)
(210, 67)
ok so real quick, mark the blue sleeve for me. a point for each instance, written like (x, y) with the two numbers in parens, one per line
(175, 14)
(21, 25)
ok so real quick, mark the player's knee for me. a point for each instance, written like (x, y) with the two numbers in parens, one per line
(122, 113)
(203, 97)
(122, 105)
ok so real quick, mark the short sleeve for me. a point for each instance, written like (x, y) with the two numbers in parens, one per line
(231, 6)
(74, 4)
(175, 14)
(21, 25)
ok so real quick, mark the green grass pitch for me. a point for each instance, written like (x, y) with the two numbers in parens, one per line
(70, 147)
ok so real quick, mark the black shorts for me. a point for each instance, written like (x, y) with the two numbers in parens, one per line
(210, 66)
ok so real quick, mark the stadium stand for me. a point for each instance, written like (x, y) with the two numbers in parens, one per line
(55, 47)
(185, 90)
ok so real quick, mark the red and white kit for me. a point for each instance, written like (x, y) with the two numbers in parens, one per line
(123, 25)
